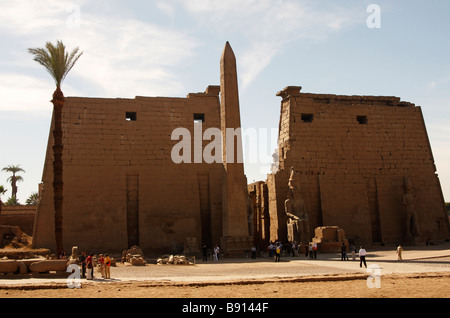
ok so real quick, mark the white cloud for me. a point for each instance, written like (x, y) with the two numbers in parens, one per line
(123, 57)
(267, 25)
(129, 58)
(440, 83)
(31, 17)
(254, 60)
(24, 93)
(166, 8)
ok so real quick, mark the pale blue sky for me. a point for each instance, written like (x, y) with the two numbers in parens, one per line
(173, 47)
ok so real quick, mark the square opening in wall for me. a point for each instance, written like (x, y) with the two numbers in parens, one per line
(307, 118)
(362, 120)
(130, 116)
(199, 118)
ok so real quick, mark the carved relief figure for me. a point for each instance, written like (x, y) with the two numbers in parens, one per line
(412, 222)
(298, 225)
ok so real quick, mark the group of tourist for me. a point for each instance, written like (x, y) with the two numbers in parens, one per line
(88, 263)
(216, 253)
(344, 253)
(310, 251)
(361, 253)
(275, 250)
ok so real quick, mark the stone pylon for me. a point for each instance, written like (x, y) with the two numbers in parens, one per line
(235, 204)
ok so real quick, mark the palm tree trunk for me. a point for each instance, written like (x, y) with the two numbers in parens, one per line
(14, 186)
(58, 102)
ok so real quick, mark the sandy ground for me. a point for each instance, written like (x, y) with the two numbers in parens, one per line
(424, 273)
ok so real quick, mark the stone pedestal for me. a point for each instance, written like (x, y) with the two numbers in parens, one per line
(329, 239)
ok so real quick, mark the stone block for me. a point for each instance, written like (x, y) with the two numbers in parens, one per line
(137, 261)
(9, 266)
(49, 266)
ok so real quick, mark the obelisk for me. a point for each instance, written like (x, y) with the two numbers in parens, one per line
(235, 220)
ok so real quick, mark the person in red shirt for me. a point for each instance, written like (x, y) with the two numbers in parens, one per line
(90, 266)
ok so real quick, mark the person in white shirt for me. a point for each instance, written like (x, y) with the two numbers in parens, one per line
(216, 253)
(362, 256)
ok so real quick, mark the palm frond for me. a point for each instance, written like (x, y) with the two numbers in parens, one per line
(56, 60)
(13, 169)
(17, 178)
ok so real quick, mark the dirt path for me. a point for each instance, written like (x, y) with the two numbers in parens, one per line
(429, 285)
(294, 278)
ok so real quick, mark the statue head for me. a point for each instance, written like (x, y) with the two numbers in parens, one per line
(292, 179)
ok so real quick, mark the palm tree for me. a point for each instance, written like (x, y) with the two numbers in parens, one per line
(14, 179)
(2, 192)
(58, 63)
(12, 201)
(33, 199)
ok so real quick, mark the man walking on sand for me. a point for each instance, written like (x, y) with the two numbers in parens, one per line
(362, 256)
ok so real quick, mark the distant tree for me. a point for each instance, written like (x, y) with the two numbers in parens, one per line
(2, 192)
(58, 62)
(33, 199)
(12, 201)
(14, 178)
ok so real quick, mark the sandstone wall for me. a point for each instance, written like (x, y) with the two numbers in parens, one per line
(351, 154)
(121, 187)
(21, 216)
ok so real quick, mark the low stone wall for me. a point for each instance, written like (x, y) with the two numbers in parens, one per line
(21, 216)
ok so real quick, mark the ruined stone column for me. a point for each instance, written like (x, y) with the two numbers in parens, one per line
(235, 229)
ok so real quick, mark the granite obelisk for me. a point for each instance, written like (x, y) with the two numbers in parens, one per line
(235, 209)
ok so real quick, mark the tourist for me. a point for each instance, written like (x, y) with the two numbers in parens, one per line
(101, 264)
(253, 252)
(277, 253)
(107, 266)
(216, 252)
(362, 256)
(399, 252)
(82, 260)
(90, 266)
(293, 247)
(204, 253)
(344, 252)
(353, 249)
(271, 249)
(310, 251)
(315, 250)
